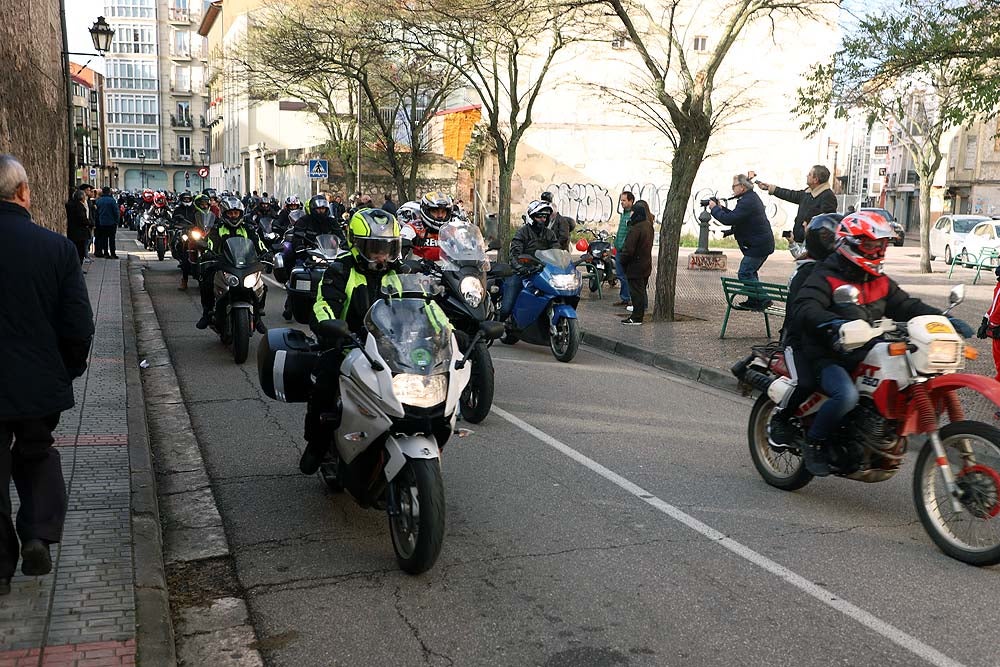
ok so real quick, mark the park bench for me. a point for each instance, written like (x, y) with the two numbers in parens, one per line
(988, 258)
(735, 289)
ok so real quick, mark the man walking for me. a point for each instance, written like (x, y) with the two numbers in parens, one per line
(108, 217)
(46, 325)
(389, 206)
(816, 199)
(626, 199)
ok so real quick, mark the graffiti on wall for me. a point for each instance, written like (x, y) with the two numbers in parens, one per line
(585, 202)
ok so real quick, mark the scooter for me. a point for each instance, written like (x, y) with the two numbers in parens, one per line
(600, 258)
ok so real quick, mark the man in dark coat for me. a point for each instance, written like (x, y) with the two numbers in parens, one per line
(636, 259)
(46, 325)
(752, 231)
(815, 200)
(389, 206)
(108, 217)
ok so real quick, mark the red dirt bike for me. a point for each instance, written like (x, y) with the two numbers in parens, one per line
(908, 383)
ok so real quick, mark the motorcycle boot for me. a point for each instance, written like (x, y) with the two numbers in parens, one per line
(846, 458)
(815, 458)
(782, 431)
(206, 319)
(312, 457)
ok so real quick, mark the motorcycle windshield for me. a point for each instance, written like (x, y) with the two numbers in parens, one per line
(462, 245)
(239, 252)
(204, 219)
(556, 257)
(266, 225)
(412, 335)
(328, 245)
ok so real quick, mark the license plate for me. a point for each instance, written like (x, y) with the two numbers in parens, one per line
(599, 265)
(303, 285)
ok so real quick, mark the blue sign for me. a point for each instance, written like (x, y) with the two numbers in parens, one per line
(319, 169)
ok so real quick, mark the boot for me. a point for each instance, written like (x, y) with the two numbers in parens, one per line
(781, 431)
(260, 327)
(35, 559)
(312, 457)
(184, 284)
(206, 319)
(814, 456)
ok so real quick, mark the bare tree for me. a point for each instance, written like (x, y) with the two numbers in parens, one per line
(682, 101)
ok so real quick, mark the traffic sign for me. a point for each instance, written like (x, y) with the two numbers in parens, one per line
(203, 172)
(187, 174)
(93, 172)
(319, 169)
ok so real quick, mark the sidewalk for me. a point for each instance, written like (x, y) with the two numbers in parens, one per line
(84, 612)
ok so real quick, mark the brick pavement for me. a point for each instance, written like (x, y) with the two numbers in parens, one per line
(83, 613)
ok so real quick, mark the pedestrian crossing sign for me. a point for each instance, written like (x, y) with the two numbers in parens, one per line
(319, 169)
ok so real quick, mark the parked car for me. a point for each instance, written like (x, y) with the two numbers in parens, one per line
(948, 234)
(896, 227)
(985, 235)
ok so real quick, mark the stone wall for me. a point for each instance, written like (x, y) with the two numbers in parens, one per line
(33, 103)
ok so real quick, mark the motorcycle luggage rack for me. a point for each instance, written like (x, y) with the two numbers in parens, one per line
(768, 351)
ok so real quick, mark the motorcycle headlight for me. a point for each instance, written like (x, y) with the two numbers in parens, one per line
(196, 234)
(184, 237)
(230, 279)
(160, 228)
(944, 352)
(251, 280)
(472, 291)
(420, 391)
(566, 281)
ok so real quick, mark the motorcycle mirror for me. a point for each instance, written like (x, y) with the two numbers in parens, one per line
(494, 245)
(332, 329)
(491, 330)
(279, 261)
(956, 296)
(846, 294)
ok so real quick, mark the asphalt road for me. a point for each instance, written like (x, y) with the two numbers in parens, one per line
(585, 527)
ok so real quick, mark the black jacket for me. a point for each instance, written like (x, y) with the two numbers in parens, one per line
(529, 239)
(78, 225)
(636, 256)
(313, 225)
(809, 207)
(750, 225)
(563, 226)
(813, 309)
(46, 323)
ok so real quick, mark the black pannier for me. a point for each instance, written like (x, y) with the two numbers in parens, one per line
(285, 361)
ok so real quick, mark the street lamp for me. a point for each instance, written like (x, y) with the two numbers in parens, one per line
(101, 34)
(142, 167)
(202, 154)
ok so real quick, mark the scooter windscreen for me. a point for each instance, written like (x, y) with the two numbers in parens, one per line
(462, 245)
(239, 252)
(413, 335)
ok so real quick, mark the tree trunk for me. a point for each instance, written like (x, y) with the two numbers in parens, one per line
(688, 156)
(926, 181)
(503, 209)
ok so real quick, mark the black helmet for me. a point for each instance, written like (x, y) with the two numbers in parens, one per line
(319, 205)
(185, 198)
(231, 209)
(821, 235)
(436, 209)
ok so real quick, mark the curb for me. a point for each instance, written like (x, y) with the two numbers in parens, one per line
(712, 377)
(154, 632)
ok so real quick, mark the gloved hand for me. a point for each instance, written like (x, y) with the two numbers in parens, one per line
(961, 326)
(728, 232)
(983, 328)
(832, 329)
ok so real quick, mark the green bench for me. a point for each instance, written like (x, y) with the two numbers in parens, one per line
(736, 289)
(989, 259)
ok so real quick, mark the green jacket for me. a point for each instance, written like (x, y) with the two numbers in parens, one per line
(622, 230)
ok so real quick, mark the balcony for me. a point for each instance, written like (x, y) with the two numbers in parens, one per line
(181, 122)
(177, 53)
(178, 15)
(183, 88)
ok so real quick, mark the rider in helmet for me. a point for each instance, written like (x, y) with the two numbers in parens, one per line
(292, 203)
(147, 200)
(815, 321)
(230, 223)
(436, 209)
(316, 222)
(185, 207)
(160, 209)
(533, 235)
(348, 289)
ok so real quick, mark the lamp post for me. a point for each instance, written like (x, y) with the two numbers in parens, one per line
(202, 154)
(101, 34)
(142, 167)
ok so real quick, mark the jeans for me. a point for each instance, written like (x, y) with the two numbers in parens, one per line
(748, 268)
(623, 291)
(512, 287)
(843, 396)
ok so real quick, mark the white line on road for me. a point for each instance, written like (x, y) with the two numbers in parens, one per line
(890, 632)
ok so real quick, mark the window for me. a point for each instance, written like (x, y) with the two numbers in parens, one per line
(134, 38)
(700, 43)
(184, 147)
(182, 79)
(132, 9)
(127, 143)
(133, 109)
(131, 74)
(183, 110)
(970, 152)
(619, 42)
(182, 43)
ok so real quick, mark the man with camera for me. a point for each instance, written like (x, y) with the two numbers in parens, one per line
(815, 200)
(750, 226)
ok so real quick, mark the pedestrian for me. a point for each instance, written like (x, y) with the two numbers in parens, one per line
(46, 324)
(753, 233)
(816, 199)
(108, 217)
(79, 226)
(990, 327)
(625, 200)
(389, 206)
(337, 208)
(636, 260)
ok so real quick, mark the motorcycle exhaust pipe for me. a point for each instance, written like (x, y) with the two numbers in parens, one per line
(757, 380)
(740, 367)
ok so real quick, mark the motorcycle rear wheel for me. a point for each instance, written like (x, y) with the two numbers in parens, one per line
(477, 398)
(973, 535)
(418, 530)
(783, 470)
(240, 319)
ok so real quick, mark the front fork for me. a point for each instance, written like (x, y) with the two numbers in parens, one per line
(941, 458)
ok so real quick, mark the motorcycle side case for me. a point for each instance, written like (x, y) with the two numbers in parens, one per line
(285, 362)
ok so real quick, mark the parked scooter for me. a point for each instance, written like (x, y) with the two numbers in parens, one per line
(599, 256)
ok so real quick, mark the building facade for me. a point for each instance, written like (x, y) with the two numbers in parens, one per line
(156, 99)
(88, 128)
(973, 179)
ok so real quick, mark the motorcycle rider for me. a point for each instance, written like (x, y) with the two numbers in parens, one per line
(317, 221)
(292, 203)
(185, 208)
(230, 223)
(147, 201)
(861, 241)
(347, 292)
(533, 235)
(436, 209)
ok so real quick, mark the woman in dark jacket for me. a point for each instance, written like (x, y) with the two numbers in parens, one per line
(79, 226)
(636, 258)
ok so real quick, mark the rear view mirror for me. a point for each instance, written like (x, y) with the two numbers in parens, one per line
(332, 329)
(494, 245)
(956, 296)
(491, 330)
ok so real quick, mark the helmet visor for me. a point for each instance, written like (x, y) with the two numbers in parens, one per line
(873, 248)
(380, 250)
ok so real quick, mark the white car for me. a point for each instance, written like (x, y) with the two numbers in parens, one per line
(948, 234)
(985, 235)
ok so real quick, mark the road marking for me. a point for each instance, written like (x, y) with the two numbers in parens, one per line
(890, 632)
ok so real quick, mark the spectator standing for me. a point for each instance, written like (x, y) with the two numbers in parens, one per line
(625, 200)
(108, 217)
(816, 199)
(752, 230)
(79, 226)
(389, 206)
(46, 324)
(636, 260)
(337, 208)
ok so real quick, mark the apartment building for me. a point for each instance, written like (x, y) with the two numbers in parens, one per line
(973, 176)
(92, 164)
(156, 99)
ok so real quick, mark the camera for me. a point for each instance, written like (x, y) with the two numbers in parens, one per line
(704, 203)
(787, 234)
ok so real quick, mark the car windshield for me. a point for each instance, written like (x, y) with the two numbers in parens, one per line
(462, 245)
(964, 225)
(239, 252)
(413, 335)
(555, 256)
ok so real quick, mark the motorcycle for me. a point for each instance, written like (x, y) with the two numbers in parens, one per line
(908, 384)
(399, 391)
(239, 293)
(462, 269)
(599, 256)
(545, 310)
(306, 274)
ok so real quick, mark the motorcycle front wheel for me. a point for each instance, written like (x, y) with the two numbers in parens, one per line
(418, 528)
(973, 534)
(477, 398)
(161, 249)
(566, 340)
(783, 470)
(240, 319)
